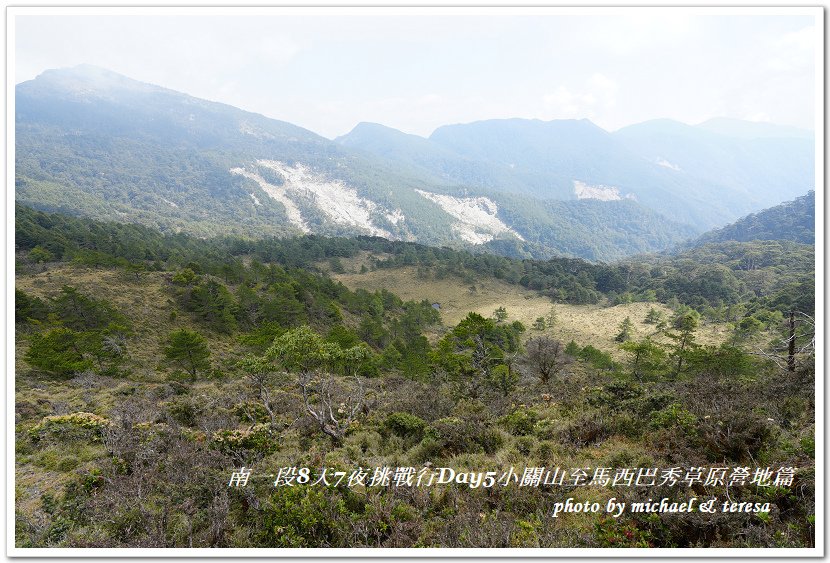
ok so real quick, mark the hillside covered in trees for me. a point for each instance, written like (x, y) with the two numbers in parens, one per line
(153, 370)
(792, 220)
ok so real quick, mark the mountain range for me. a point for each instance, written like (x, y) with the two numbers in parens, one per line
(92, 142)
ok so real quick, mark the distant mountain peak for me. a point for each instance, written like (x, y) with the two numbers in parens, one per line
(371, 128)
(86, 80)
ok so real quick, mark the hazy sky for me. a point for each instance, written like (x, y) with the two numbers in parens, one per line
(417, 72)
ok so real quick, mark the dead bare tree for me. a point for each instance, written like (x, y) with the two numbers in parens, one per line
(546, 357)
(800, 341)
(264, 380)
(322, 399)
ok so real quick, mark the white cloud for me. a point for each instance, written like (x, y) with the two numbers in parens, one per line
(597, 95)
(793, 51)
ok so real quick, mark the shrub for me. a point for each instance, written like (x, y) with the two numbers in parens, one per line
(74, 426)
(454, 436)
(734, 436)
(251, 411)
(405, 424)
(182, 411)
(257, 438)
(674, 415)
(586, 430)
(520, 422)
(299, 517)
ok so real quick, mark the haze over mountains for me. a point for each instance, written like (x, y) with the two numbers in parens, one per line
(92, 142)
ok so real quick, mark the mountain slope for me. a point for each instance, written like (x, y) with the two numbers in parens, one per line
(741, 175)
(672, 168)
(791, 220)
(140, 152)
(92, 142)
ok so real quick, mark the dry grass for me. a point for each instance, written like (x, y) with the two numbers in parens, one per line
(586, 324)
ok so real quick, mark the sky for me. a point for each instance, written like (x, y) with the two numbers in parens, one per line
(417, 71)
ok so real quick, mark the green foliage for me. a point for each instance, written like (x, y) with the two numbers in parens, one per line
(504, 379)
(653, 316)
(684, 324)
(793, 220)
(58, 352)
(257, 438)
(188, 350)
(73, 426)
(473, 349)
(597, 358)
(778, 274)
(28, 308)
(625, 330)
(500, 314)
(609, 532)
(734, 436)
(176, 442)
(185, 277)
(520, 422)
(81, 312)
(674, 415)
(454, 436)
(647, 359)
(39, 254)
(302, 350)
(469, 430)
(723, 361)
(298, 517)
(405, 425)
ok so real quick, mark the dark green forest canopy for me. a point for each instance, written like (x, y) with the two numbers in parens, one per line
(792, 220)
(769, 274)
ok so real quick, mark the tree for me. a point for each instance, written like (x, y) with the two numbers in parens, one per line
(539, 324)
(546, 357)
(647, 358)
(504, 377)
(653, 316)
(28, 308)
(107, 347)
(500, 314)
(684, 325)
(333, 404)
(188, 350)
(39, 254)
(475, 346)
(59, 352)
(552, 318)
(215, 305)
(80, 312)
(136, 269)
(302, 351)
(625, 330)
(572, 349)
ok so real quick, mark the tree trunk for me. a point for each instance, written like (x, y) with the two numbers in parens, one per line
(791, 344)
